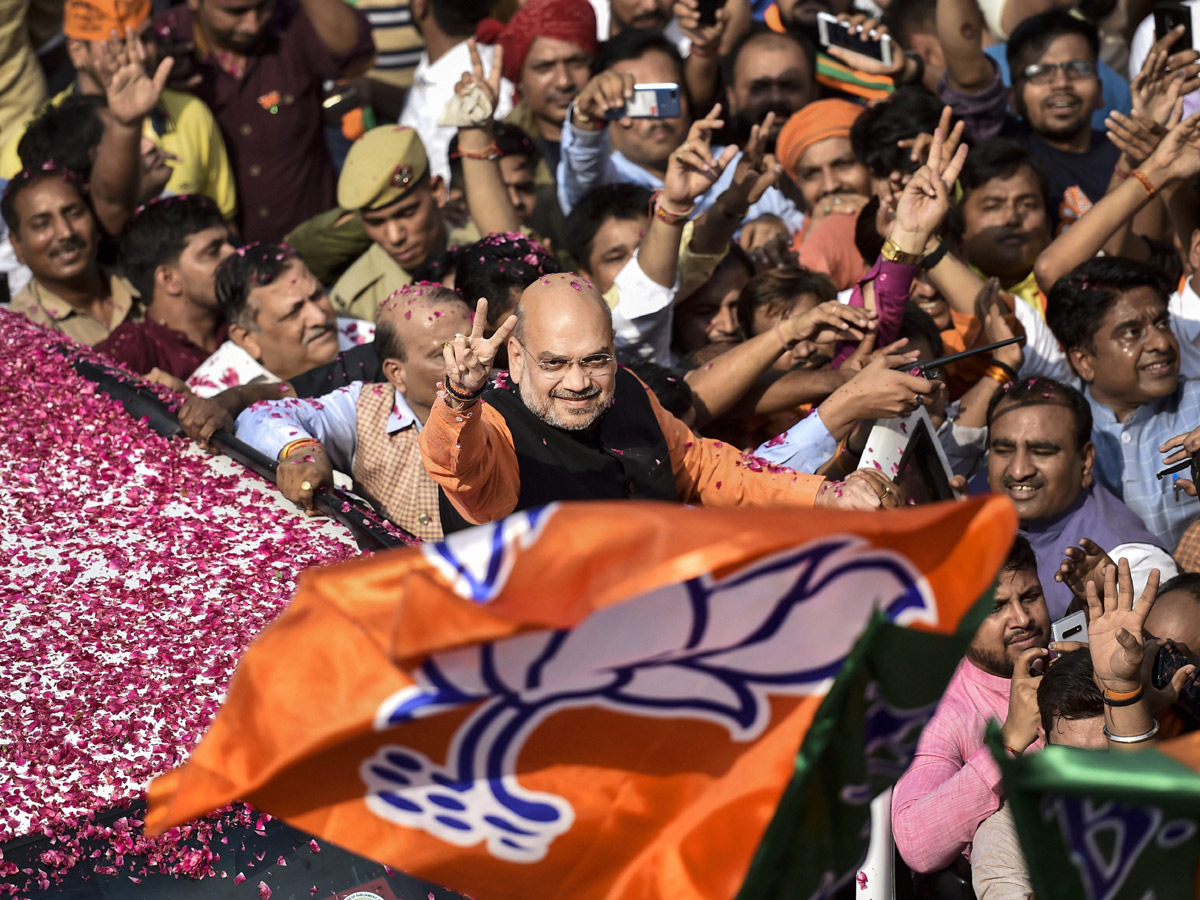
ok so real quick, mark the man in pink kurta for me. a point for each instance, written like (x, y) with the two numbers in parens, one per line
(953, 783)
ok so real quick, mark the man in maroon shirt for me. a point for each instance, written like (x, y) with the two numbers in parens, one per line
(261, 64)
(170, 253)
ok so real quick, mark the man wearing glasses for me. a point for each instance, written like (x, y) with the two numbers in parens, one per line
(573, 425)
(1055, 89)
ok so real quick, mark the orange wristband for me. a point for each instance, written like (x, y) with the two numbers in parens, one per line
(997, 375)
(1145, 182)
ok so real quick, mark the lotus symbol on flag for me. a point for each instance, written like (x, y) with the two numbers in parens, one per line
(703, 649)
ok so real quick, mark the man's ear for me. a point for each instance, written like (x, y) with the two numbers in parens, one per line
(516, 360)
(1194, 252)
(167, 278)
(16, 245)
(1083, 364)
(396, 374)
(1089, 463)
(437, 187)
(246, 339)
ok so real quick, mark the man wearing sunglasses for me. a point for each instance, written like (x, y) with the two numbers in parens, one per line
(573, 425)
(1055, 89)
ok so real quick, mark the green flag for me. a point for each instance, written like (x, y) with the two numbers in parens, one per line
(861, 741)
(1106, 825)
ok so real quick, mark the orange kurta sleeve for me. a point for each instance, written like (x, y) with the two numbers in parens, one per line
(711, 473)
(471, 455)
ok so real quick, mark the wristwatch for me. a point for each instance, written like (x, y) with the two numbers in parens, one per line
(892, 253)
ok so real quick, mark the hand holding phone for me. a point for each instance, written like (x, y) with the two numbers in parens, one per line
(1167, 17)
(650, 101)
(833, 32)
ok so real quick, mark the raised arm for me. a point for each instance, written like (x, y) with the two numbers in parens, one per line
(1176, 158)
(488, 199)
(337, 24)
(960, 32)
(132, 94)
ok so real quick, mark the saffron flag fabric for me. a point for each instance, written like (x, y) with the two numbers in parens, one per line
(1108, 826)
(588, 700)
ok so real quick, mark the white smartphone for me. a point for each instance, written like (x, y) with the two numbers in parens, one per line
(833, 33)
(650, 101)
(1070, 628)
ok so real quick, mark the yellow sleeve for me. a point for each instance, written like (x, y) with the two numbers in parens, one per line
(203, 166)
(694, 268)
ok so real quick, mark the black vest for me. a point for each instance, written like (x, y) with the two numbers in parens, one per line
(625, 457)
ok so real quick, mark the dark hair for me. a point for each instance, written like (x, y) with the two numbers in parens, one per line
(877, 131)
(999, 158)
(1021, 557)
(635, 43)
(1030, 39)
(904, 18)
(494, 266)
(917, 324)
(759, 30)
(777, 290)
(1042, 391)
(67, 134)
(510, 140)
(254, 265)
(1184, 581)
(1079, 301)
(620, 200)
(673, 393)
(387, 344)
(26, 179)
(158, 233)
(1068, 691)
(458, 18)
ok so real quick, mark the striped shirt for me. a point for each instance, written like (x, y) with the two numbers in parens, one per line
(397, 41)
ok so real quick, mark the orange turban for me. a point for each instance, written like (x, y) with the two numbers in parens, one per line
(815, 122)
(95, 20)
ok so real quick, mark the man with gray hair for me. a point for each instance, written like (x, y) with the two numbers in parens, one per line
(558, 431)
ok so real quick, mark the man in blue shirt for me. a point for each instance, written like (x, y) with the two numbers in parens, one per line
(1110, 315)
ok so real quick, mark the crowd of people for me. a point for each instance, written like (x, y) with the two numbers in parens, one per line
(434, 251)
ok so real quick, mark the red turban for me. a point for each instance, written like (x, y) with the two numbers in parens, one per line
(573, 21)
(812, 124)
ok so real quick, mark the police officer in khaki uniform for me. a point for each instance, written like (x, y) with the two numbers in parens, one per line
(386, 181)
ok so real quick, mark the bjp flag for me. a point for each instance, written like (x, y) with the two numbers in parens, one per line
(601, 700)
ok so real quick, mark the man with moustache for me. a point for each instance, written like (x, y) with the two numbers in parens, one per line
(1041, 456)
(54, 233)
(1110, 315)
(561, 432)
(280, 321)
(953, 783)
(768, 72)
(596, 151)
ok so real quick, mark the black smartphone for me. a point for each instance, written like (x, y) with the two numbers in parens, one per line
(708, 11)
(1171, 15)
(921, 476)
(1169, 660)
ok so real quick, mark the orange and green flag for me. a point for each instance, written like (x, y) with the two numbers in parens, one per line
(606, 700)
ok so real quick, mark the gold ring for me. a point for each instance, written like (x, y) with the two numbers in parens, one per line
(446, 344)
(306, 485)
(886, 491)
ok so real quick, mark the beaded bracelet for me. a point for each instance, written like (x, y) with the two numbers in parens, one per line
(1145, 182)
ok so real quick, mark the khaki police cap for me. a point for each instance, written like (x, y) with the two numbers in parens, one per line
(382, 166)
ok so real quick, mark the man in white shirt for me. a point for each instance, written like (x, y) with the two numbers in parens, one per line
(445, 25)
(280, 322)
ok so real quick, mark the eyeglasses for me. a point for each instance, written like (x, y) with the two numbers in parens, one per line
(558, 365)
(1075, 69)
